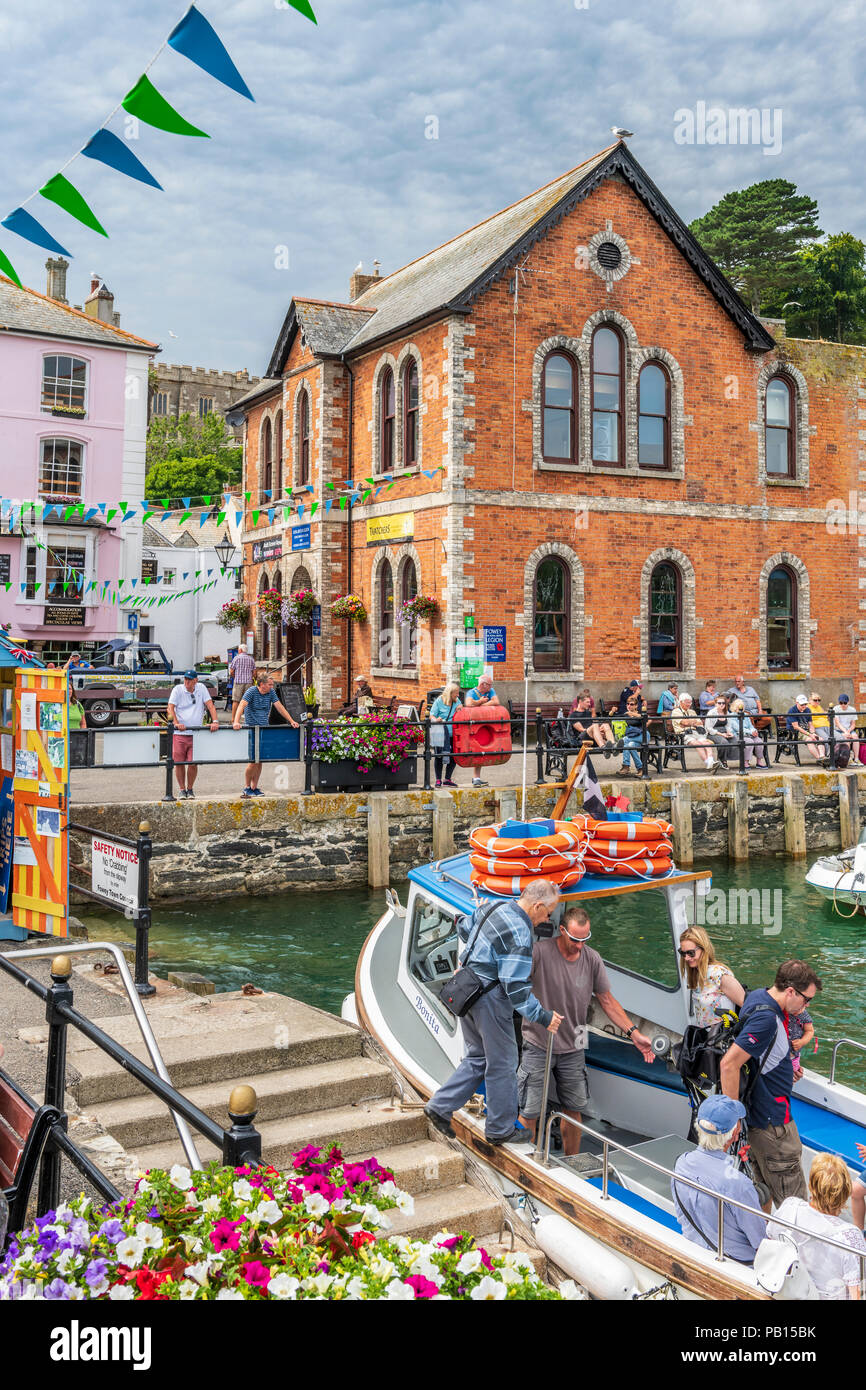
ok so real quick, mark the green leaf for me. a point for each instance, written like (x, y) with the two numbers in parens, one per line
(60, 191)
(145, 102)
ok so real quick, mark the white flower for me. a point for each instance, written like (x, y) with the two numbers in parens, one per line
(382, 1268)
(356, 1288)
(198, 1272)
(67, 1260)
(151, 1235)
(225, 1295)
(242, 1190)
(488, 1291)
(508, 1275)
(97, 1289)
(283, 1286)
(62, 1212)
(571, 1291)
(373, 1216)
(120, 1292)
(388, 1188)
(518, 1259)
(316, 1204)
(429, 1271)
(341, 1204)
(130, 1251)
(143, 1186)
(398, 1292)
(179, 1177)
(268, 1211)
(188, 1289)
(405, 1202)
(319, 1283)
(210, 1205)
(468, 1263)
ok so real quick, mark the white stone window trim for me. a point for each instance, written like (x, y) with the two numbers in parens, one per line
(610, 274)
(686, 671)
(376, 471)
(576, 604)
(407, 352)
(805, 624)
(303, 389)
(802, 429)
(394, 556)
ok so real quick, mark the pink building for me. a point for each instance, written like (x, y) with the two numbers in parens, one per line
(73, 427)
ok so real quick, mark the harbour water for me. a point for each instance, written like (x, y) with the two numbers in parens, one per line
(306, 944)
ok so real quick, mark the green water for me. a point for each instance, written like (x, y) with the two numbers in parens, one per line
(306, 944)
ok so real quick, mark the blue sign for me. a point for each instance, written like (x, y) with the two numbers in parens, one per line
(317, 620)
(494, 645)
(132, 622)
(300, 538)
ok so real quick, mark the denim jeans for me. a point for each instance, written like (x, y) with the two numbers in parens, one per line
(630, 744)
(490, 1054)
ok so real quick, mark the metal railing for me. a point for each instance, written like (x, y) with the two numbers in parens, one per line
(141, 914)
(842, 1042)
(721, 1201)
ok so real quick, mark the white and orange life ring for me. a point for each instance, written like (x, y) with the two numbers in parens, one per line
(513, 887)
(634, 849)
(624, 830)
(631, 868)
(485, 839)
(543, 865)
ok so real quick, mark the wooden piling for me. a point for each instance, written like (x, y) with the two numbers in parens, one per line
(681, 820)
(378, 848)
(794, 804)
(506, 803)
(443, 824)
(738, 821)
(849, 809)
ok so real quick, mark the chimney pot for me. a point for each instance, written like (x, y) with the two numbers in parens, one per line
(56, 288)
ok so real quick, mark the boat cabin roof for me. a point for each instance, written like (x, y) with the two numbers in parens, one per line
(449, 879)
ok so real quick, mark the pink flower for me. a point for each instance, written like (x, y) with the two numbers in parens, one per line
(424, 1288)
(256, 1274)
(485, 1258)
(305, 1155)
(317, 1182)
(226, 1235)
(449, 1244)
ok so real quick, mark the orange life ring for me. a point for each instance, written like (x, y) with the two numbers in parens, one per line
(623, 829)
(487, 840)
(623, 850)
(480, 734)
(634, 868)
(544, 865)
(513, 887)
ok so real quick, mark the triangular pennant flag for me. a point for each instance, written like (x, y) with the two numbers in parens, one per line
(91, 511)
(256, 516)
(247, 497)
(185, 574)
(186, 501)
(133, 582)
(145, 102)
(342, 504)
(303, 7)
(301, 511)
(202, 519)
(8, 269)
(197, 573)
(166, 504)
(60, 191)
(221, 518)
(239, 516)
(197, 40)
(109, 515)
(52, 586)
(271, 511)
(101, 506)
(66, 584)
(186, 516)
(109, 149)
(23, 225)
(313, 509)
(206, 501)
(329, 504)
(37, 587)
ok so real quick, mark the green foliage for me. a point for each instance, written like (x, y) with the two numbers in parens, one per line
(191, 477)
(829, 299)
(190, 437)
(756, 235)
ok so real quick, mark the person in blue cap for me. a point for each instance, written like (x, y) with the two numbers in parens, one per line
(714, 1165)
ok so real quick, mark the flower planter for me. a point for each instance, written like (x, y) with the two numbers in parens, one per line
(71, 414)
(311, 711)
(344, 776)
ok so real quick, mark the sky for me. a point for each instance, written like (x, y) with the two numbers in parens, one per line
(392, 126)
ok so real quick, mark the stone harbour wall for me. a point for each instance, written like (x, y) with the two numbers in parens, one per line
(215, 849)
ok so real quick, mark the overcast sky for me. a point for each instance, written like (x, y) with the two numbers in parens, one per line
(333, 162)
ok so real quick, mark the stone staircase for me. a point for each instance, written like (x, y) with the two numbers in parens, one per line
(314, 1084)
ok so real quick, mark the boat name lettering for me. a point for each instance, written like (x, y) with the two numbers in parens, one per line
(429, 1018)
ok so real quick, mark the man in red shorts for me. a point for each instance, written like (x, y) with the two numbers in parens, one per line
(186, 706)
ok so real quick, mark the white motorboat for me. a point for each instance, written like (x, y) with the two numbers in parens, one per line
(610, 1222)
(841, 878)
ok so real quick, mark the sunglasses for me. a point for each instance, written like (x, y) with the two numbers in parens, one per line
(578, 940)
(807, 998)
(695, 951)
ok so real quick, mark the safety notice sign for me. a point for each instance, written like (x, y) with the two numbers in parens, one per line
(114, 872)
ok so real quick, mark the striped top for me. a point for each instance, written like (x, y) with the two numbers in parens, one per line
(503, 950)
(243, 669)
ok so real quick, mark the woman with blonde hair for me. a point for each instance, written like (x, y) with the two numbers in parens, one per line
(713, 984)
(441, 719)
(754, 744)
(835, 1273)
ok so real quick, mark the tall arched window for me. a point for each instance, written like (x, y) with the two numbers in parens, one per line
(278, 631)
(607, 403)
(266, 469)
(388, 410)
(386, 615)
(559, 420)
(779, 428)
(782, 620)
(552, 617)
(654, 417)
(278, 455)
(408, 632)
(304, 441)
(410, 413)
(665, 618)
(266, 631)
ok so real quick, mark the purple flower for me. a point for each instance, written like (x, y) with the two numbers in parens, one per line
(58, 1289)
(112, 1231)
(95, 1272)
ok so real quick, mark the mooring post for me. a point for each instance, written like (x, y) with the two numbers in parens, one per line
(738, 820)
(849, 809)
(378, 849)
(443, 824)
(794, 806)
(681, 820)
(143, 913)
(55, 1079)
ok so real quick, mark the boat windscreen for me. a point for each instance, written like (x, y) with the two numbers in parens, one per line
(633, 933)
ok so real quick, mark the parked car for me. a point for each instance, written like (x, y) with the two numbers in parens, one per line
(127, 675)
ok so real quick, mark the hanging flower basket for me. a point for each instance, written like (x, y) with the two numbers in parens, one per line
(349, 606)
(270, 605)
(414, 609)
(297, 609)
(235, 613)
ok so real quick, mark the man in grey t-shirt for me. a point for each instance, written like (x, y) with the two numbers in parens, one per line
(566, 973)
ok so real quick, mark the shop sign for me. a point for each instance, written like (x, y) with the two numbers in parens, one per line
(384, 530)
(264, 551)
(63, 615)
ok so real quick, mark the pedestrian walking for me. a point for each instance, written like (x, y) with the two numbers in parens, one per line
(255, 710)
(186, 709)
(242, 673)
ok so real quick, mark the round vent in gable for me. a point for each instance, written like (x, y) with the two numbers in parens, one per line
(609, 255)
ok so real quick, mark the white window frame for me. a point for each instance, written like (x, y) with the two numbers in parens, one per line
(61, 439)
(68, 536)
(48, 409)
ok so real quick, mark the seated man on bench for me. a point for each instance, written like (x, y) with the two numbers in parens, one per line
(584, 723)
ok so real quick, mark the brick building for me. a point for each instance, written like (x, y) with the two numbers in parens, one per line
(639, 477)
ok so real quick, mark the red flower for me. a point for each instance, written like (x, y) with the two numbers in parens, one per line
(362, 1238)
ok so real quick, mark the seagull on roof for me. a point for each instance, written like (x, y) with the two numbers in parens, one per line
(620, 132)
(359, 266)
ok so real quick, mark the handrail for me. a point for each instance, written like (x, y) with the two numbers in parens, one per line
(723, 1201)
(842, 1042)
(119, 1054)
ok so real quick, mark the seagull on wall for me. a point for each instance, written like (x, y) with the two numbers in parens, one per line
(620, 132)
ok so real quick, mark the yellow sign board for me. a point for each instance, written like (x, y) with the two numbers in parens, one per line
(384, 530)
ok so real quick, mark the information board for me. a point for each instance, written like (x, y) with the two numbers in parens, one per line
(6, 832)
(317, 620)
(301, 537)
(5, 566)
(292, 698)
(114, 871)
(494, 644)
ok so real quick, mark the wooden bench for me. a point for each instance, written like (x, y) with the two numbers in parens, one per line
(24, 1128)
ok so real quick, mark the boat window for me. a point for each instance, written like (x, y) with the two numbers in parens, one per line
(632, 932)
(433, 944)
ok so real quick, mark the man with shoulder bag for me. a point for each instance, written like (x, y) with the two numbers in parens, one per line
(493, 982)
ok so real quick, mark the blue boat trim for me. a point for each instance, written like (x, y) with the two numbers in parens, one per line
(637, 1203)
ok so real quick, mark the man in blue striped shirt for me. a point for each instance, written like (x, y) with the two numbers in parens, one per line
(501, 956)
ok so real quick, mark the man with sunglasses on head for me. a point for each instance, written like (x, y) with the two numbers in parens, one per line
(566, 973)
(762, 1044)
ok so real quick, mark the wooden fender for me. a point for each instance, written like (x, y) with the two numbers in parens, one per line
(481, 735)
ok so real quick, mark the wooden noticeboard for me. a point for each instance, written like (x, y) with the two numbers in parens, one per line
(40, 877)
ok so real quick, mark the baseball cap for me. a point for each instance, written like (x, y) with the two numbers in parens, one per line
(801, 700)
(718, 1114)
(190, 675)
(637, 685)
(844, 700)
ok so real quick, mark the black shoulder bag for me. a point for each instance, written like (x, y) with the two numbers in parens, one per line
(464, 988)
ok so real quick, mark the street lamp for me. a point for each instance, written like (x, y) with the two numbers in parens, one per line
(225, 551)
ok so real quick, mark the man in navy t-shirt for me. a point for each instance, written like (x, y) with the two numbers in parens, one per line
(763, 1040)
(255, 709)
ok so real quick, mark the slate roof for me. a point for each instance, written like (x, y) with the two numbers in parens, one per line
(329, 327)
(28, 311)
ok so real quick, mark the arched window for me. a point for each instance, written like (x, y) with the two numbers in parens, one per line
(607, 406)
(304, 441)
(559, 421)
(278, 455)
(278, 631)
(266, 631)
(64, 384)
(782, 620)
(410, 413)
(665, 618)
(266, 468)
(388, 410)
(408, 632)
(386, 615)
(654, 417)
(779, 428)
(300, 580)
(552, 618)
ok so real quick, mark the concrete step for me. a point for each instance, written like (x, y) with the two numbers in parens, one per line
(424, 1166)
(457, 1208)
(223, 1053)
(494, 1246)
(144, 1120)
(364, 1128)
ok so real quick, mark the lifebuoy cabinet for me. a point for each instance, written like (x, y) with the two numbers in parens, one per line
(481, 735)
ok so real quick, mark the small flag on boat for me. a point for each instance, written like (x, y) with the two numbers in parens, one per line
(593, 801)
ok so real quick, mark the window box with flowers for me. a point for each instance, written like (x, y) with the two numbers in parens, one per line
(377, 751)
(297, 609)
(414, 610)
(349, 606)
(235, 613)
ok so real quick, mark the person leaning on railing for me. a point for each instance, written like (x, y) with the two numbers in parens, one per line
(441, 719)
(686, 725)
(754, 744)
(255, 709)
(844, 727)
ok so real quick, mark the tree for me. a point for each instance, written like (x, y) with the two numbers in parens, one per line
(189, 437)
(829, 300)
(756, 235)
(196, 478)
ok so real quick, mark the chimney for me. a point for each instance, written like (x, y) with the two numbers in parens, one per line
(361, 282)
(57, 268)
(99, 304)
